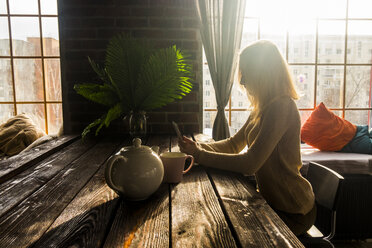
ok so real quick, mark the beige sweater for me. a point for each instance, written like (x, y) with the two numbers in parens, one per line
(273, 156)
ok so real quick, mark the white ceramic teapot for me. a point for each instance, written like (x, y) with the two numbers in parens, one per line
(135, 172)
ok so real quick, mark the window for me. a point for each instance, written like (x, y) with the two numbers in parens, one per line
(326, 51)
(306, 54)
(207, 82)
(30, 62)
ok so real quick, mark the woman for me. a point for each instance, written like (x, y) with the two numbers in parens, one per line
(272, 133)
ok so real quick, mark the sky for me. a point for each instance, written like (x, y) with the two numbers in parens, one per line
(299, 16)
(23, 27)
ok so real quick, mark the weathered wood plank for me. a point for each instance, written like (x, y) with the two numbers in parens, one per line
(255, 223)
(144, 223)
(141, 224)
(18, 163)
(84, 221)
(24, 184)
(25, 224)
(197, 218)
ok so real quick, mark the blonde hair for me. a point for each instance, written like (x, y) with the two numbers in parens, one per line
(265, 75)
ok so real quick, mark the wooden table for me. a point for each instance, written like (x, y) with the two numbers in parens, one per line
(56, 196)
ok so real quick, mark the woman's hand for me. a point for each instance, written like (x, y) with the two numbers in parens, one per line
(189, 146)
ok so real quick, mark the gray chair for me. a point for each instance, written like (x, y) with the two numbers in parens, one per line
(326, 185)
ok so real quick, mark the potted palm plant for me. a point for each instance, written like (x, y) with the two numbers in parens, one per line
(136, 78)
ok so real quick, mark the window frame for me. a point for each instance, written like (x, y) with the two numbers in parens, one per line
(345, 66)
(42, 57)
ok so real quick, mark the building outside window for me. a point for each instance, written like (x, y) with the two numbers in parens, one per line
(30, 62)
(313, 40)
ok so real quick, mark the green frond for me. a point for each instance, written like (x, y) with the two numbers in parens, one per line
(101, 72)
(136, 77)
(105, 120)
(100, 127)
(124, 59)
(103, 94)
(90, 126)
(113, 113)
(163, 79)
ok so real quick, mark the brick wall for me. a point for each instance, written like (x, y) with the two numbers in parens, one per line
(85, 29)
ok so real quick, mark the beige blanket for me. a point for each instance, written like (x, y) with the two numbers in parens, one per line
(17, 133)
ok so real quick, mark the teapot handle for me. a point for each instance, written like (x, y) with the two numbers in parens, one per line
(108, 171)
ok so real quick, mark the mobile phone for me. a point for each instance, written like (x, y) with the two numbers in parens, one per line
(175, 126)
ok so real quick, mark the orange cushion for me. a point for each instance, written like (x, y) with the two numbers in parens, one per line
(326, 131)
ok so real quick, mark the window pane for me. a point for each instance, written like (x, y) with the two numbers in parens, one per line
(35, 112)
(3, 7)
(239, 99)
(4, 37)
(250, 32)
(48, 7)
(360, 9)
(54, 117)
(359, 42)
(6, 85)
(23, 7)
(28, 79)
(6, 111)
(303, 77)
(331, 45)
(53, 79)
(330, 86)
(208, 120)
(358, 86)
(238, 119)
(274, 31)
(26, 36)
(50, 36)
(359, 117)
(209, 99)
(252, 8)
(331, 8)
(337, 112)
(301, 42)
(304, 114)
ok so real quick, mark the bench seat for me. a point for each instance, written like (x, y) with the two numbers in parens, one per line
(354, 218)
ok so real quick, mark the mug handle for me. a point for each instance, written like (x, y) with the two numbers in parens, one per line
(191, 164)
(108, 171)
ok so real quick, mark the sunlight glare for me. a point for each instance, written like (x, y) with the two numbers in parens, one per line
(296, 15)
(360, 8)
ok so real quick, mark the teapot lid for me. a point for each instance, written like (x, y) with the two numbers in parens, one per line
(136, 147)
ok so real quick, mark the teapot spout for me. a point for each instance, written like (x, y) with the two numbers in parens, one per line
(155, 149)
